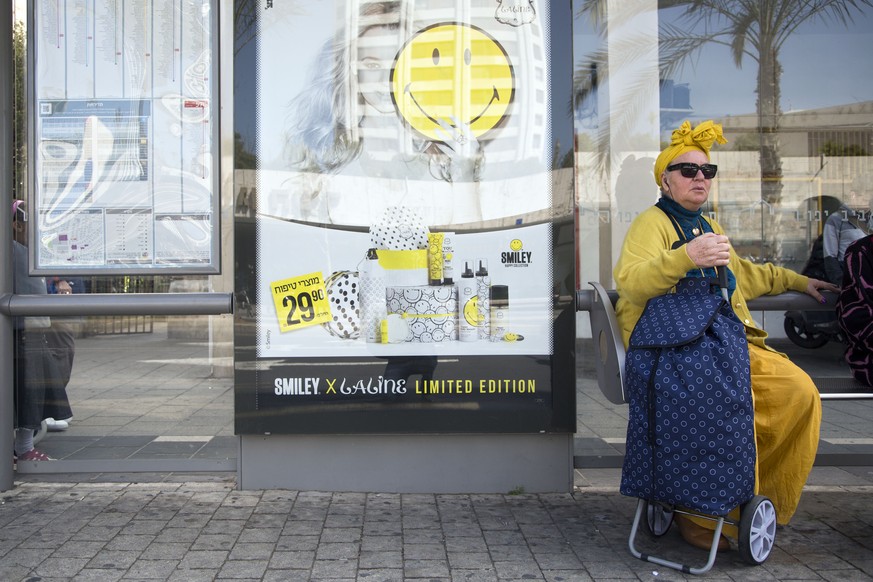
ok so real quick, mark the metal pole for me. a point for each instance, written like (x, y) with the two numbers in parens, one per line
(7, 391)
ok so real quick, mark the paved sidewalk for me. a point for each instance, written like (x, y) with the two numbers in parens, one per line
(178, 528)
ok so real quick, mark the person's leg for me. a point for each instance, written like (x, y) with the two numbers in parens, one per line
(787, 423)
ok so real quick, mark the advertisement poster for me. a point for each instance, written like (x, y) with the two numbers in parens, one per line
(414, 168)
(125, 166)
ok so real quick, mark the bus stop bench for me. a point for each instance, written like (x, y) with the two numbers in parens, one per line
(609, 350)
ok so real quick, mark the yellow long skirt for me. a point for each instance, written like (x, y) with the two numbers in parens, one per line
(787, 422)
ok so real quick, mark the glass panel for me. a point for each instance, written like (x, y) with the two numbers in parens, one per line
(140, 388)
(137, 387)
(435, 133)
(799, 149)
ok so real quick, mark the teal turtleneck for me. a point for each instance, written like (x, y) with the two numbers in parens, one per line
(688, 220)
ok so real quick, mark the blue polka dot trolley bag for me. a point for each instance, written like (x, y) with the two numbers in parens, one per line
(690, 436)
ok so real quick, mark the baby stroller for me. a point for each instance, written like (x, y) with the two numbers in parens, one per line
(690, 441)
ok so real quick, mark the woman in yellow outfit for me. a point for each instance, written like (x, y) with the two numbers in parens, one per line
(786, 402)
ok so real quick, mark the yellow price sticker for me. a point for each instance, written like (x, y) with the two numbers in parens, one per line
(300, 301)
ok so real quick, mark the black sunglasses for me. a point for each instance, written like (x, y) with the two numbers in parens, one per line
(689, 170)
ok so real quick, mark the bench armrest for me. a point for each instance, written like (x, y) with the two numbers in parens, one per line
(609, 349)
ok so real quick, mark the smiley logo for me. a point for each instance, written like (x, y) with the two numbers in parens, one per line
(452, 73)
(516, 245)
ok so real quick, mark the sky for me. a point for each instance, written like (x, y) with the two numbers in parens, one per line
(823, 65)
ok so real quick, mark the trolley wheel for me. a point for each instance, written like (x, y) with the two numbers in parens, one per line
(802, 337)
(659, 517)
(757, 530)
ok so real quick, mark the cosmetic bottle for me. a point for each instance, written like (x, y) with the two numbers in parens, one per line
(499, 311)
(448, 256)
(468, 312)
(372, 297)
(483, 302)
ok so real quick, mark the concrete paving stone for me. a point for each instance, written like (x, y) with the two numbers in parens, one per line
(96, 533)
(97, 575)
(251, 551)
(380, 575)
(329, 569)
(27, 557)
(425, 568)
(129, 543)
(280, 506)
(59, 567)
(566, 561)
(298, 527)
(178, 535)
(151, 569)
(416, 551)
(187, 575)
(469, 560)
(243, 569)
(13, 572)
(503, 537)
(382, 528)
(73, 549)
(462, 529)
(430, 535)
(307, 513)
(114, 559)
(232, 527)
(295, 560)
(197, 559)
(266, 520)
(391, 559)
(838, 576)
(189, 520)
(144, 527)
(381, 543)
(464, 575)
(214, 542)
(165, 551)
(259, 534)
(341, 534)
(583, 576)
(337, 551)
(285, 575)
(466, 544)
(297, 543)
(233, 513)
(344, 520)
(46, 538)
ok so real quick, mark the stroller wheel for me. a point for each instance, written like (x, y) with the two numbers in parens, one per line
(757, 530)
(659, 517)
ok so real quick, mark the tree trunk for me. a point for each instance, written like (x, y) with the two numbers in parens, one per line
(769, 116)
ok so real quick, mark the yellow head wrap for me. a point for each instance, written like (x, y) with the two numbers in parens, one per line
(686, 139)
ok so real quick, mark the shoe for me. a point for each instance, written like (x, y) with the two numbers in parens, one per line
(698, 536)
(34, 455)
(56, 425)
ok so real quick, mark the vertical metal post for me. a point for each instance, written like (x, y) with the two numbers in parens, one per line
(7, 79)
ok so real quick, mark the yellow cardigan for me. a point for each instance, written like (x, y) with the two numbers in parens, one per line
(648, 267)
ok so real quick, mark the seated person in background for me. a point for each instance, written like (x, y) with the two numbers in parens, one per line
(855, 309)
(841, 229)
(787, 404)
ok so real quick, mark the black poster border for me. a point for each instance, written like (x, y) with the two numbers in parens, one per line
(468, 393)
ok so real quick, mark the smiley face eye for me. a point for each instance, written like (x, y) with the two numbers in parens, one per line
(468, 56)
(436, 56)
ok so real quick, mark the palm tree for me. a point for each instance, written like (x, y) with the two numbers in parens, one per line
(755, 29)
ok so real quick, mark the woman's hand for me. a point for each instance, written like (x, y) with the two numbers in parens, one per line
(461, 147)
(814, 285)
(709, 250)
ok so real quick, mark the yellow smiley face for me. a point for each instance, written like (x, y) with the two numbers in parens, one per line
(452, 73)
(515, 244)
